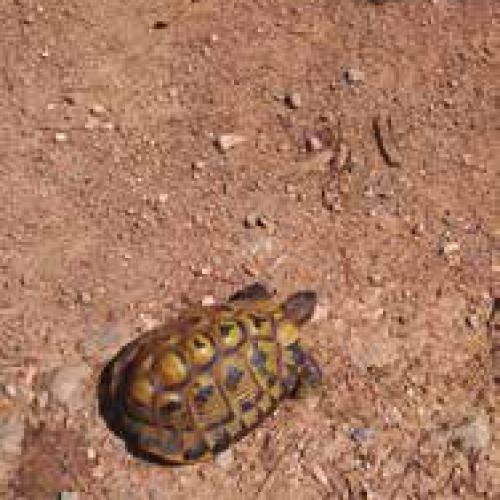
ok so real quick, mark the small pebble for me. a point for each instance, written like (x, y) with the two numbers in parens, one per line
(198, 165)
(468, 159)
(163, 198)
(10, 390)
(91, 453)
(207, 301)
(293, 100)
(84, 298)
(418, 229)
(42, 399)
(60, 137)
(475, 435)
(225, 459)
(29, 19)
(354, 75)
(320, 475)
(360, 434)
(450, 248)
(251, 220)
(313, 143)
(97, 110)
(68, 383)
(148, 322)
(68, 495)
(472, 321)
(375, 279)
(225, 142)
(321, 312)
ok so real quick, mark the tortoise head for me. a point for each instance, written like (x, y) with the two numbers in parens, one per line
(296, 311)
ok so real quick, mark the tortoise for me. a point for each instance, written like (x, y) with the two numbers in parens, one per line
(187, 390)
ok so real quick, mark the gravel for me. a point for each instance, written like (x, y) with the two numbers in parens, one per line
(67, 386)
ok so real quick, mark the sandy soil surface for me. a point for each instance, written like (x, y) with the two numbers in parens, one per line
(155, 150)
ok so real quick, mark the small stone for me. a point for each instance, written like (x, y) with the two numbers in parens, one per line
(472, 321)
(68, 495)
(207, 301)
(148, 322)
(320, 475)
(468, 159)
(293, 100)
(225, 459)
(447, 102)
(369, 192)
(11, 435)
(354, 75)
(225, 142)
(42, 399)
(475, 435)
(313, 143)
(375, 279)
(173, 92)
(418, 229)
(29, 19)
(10, 390)
(321, 312)
(84, 298)
(198, 165)
(91, 453)
(60, 137)
(163, 198)
(251, 220)
(450, 248)
(360, 434)
(98, 110)
(68, 384)
(263, 221)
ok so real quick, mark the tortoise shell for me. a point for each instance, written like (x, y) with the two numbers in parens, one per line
(188, 389)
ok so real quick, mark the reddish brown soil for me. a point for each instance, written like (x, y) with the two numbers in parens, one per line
(107, 226)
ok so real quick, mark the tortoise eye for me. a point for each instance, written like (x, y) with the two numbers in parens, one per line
(230, 334)
(200, 349)
(261, 324)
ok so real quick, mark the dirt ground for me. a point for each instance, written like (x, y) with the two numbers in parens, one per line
(155, 150)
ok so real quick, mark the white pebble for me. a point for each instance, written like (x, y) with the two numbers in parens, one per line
(98, 109)
(60, 137)
(208, 300)
(225, 142)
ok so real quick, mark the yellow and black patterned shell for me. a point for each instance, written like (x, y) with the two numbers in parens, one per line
(190, 388)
